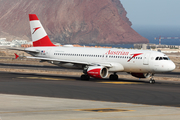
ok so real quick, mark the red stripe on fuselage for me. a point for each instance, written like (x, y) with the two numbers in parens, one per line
(45, 41)
(134, 55)
(33, 17)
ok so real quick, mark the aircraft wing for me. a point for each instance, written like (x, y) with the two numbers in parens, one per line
(67, 61)
(18, 49)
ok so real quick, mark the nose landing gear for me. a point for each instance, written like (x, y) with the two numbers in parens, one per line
(152, 81)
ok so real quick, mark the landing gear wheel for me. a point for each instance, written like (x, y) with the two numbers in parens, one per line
(152, 81)
(85, 77)
(113, 77)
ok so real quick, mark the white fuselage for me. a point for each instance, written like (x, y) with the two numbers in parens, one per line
(121, 60)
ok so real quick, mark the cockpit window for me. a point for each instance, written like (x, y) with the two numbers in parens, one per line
(165, 58)
(162, 58)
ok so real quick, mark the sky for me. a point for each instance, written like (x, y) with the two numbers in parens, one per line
(153, 12)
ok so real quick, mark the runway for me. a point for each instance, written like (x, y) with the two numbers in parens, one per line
(124, 90)
(57, 68)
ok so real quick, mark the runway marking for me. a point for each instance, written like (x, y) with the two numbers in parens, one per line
(104, 110)
(110, 82)
(45, 78)
(88, 110)
(124, 83)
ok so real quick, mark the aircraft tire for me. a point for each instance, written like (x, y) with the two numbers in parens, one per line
(85, 77)
(113, 77)
(152, 81)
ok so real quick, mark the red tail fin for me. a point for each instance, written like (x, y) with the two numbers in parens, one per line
(38, 33)
(16, 56)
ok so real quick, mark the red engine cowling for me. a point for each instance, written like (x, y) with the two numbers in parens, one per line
(141, 75)
(97, 72)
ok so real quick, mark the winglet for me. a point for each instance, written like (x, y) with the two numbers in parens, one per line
(16, 56)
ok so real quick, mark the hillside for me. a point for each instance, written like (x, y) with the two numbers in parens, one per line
(69, 21)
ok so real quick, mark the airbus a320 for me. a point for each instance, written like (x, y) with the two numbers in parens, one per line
(96, 62)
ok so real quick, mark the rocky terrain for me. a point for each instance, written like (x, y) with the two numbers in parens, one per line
(69, 21)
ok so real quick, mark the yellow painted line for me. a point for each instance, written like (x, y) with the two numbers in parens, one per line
(123, 83)
(45, 78)
(104, 110)
(61, 110)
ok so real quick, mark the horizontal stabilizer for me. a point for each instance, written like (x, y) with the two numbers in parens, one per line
(25, 50)
(16, 56)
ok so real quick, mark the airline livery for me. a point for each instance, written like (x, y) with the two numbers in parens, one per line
(96, 62)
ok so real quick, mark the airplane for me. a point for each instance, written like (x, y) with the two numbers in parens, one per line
(96, 62)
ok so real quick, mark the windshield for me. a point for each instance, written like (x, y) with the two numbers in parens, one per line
(162, 58)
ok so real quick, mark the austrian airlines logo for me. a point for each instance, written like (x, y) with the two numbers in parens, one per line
(134, 55)
(35, 29)
(110, 52)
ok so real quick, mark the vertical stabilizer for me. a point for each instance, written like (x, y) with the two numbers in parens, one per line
(39, 35)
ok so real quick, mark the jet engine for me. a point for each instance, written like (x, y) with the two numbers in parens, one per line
(141, 75)
(97, 72)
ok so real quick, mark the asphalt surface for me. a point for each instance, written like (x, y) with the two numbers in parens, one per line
(57, 68)
(124, 90)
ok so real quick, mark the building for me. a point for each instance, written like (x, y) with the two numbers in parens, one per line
(154, 46)
(13, 43)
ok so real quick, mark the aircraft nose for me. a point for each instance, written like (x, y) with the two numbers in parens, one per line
(172, 66)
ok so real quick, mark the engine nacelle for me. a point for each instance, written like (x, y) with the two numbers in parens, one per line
(97, 72)
(141, 75)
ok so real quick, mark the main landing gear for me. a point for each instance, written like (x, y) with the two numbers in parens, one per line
(152, 81)
(85, 77)
(113, 77)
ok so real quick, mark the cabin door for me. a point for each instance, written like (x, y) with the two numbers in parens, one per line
(146, 59)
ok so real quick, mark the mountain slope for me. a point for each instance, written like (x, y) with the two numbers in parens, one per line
(70, 21)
